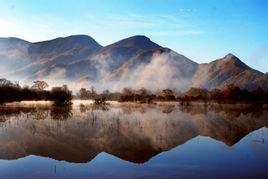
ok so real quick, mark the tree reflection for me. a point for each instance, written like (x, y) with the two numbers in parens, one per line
(61, 113)
(134, 133)
(84, 108)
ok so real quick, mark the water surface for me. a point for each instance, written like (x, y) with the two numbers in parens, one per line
(122, 141)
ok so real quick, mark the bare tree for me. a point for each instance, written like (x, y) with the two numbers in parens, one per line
(93, 92)
(5, 82)
(39, 85)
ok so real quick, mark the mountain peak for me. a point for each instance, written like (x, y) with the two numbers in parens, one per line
(231, 57)
(81, 38)
(137, 41)
(84, 40)
(231, 60)
(140, 37)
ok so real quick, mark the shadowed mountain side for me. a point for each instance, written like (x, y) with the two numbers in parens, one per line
(131, 134)
(13, 47)
(13, 54)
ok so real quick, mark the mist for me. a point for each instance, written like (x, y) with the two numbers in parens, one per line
(162, 71)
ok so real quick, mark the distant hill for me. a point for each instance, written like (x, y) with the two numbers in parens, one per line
(135, 62)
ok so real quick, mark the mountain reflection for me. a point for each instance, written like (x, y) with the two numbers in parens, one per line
(131, 132)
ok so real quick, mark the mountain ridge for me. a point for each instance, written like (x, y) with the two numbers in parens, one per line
(135, 59)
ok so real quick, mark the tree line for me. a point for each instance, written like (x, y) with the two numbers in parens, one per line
(229, 93)
(13, 92)
(61, 95)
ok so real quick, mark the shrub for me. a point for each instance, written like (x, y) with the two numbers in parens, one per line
(61, 96)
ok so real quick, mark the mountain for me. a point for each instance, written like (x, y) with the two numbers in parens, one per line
(110, 58)
(42, 56)
(72, 47)
(227, 70)
(132, 62)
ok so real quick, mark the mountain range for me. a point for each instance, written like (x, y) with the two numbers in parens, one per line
(132, 62)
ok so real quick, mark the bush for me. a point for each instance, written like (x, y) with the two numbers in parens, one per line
(61, 96)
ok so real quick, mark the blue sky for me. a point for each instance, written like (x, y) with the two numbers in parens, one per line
(202, 30)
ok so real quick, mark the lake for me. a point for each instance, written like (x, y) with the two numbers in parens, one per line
(134, 141)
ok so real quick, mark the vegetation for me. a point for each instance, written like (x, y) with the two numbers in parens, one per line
(85, 94)
(229, 94)
(62, 96)
(11, 92)
(142, 95)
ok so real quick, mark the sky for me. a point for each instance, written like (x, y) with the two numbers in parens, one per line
(202, 30)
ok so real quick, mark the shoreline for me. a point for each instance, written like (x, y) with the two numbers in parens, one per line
(88, 103)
